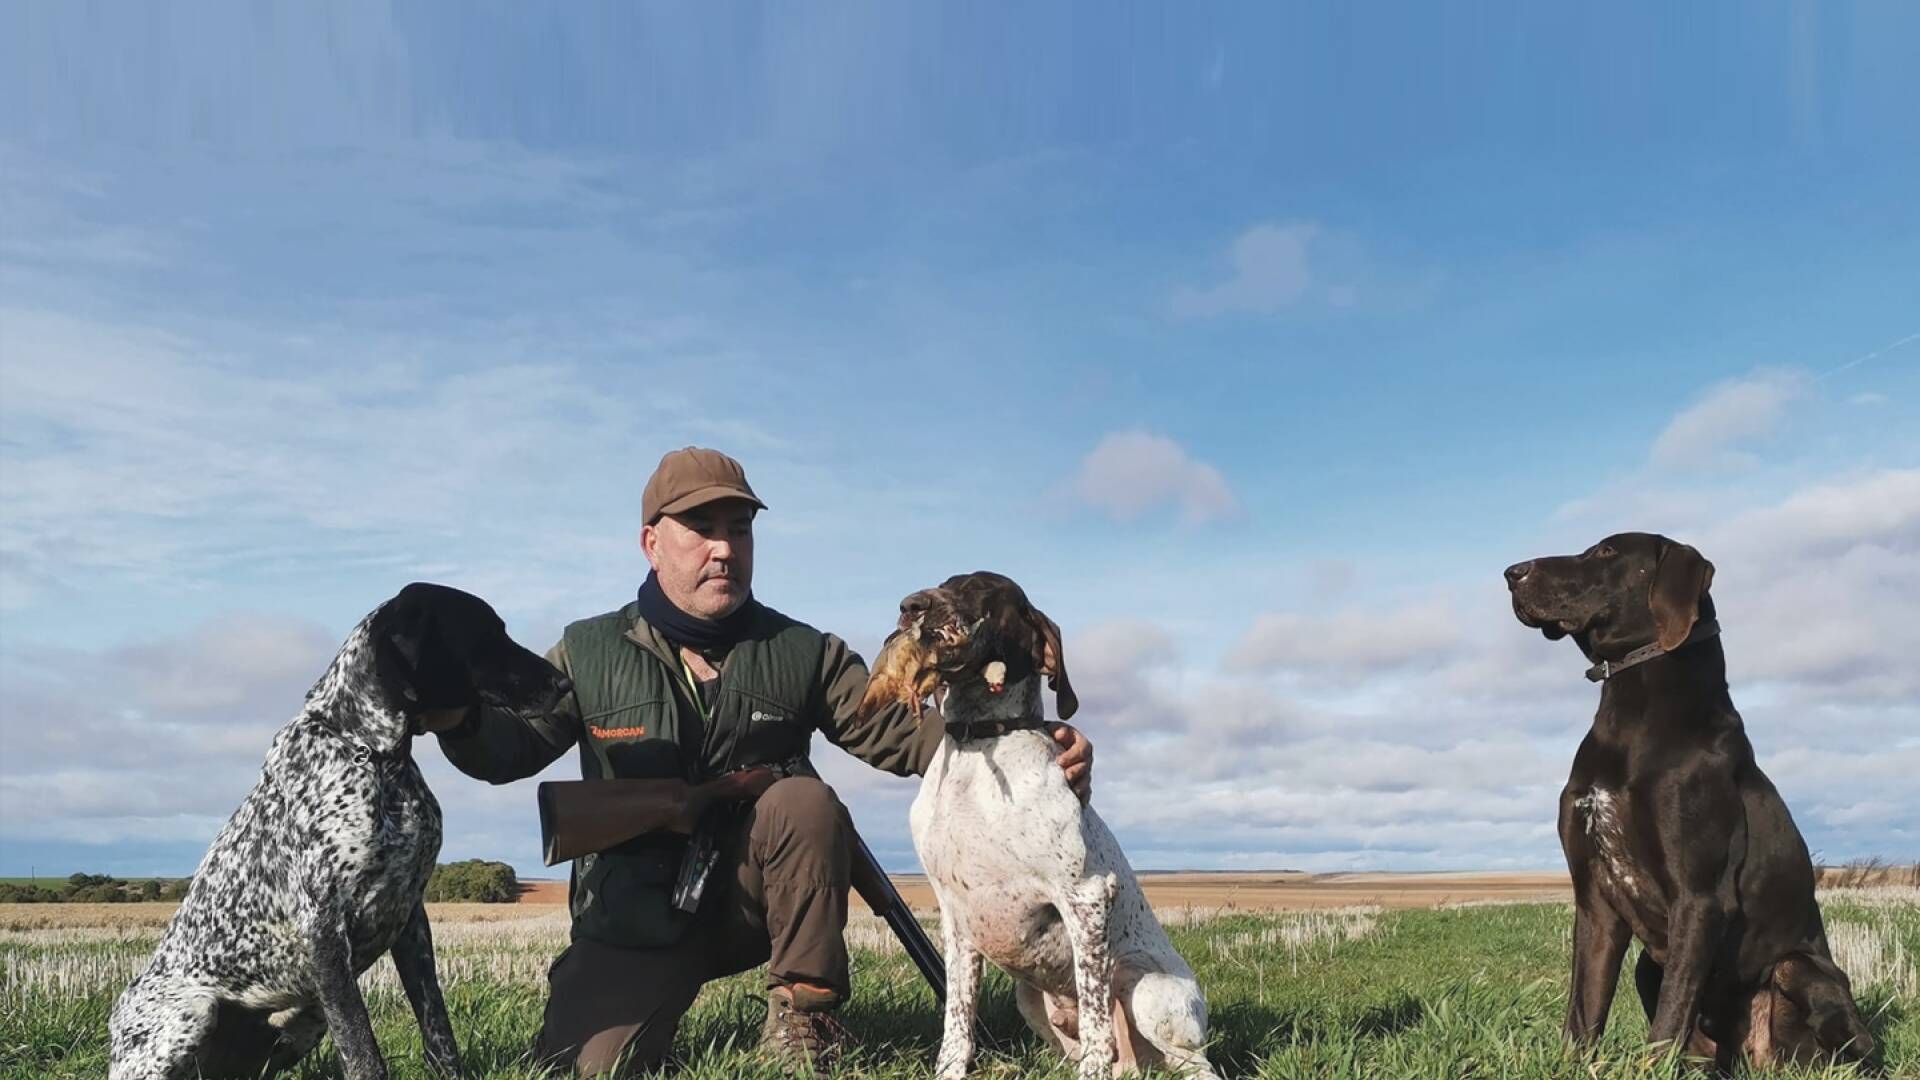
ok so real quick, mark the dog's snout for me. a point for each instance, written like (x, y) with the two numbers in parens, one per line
(918, 604)
(1518, 572)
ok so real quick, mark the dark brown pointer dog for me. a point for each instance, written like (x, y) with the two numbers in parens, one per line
(1672, 833)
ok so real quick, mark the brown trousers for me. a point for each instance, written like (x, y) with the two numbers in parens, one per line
(777, 896)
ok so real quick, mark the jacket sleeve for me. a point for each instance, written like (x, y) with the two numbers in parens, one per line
(890, 739)
(501, 746)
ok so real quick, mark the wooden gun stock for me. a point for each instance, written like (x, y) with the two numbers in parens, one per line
(578, 817)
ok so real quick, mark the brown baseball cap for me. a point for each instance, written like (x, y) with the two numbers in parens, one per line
(694, 476)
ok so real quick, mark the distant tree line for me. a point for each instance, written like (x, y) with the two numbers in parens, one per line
(94, 889)
(474, 881)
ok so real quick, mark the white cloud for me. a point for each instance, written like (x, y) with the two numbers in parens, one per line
(1329, 579)
(175, 459)
(1118, 669)
(226, 663)
(1879, 509)
(213, 693)
(1729, 415)
(1351, 641)
(158, 740)
(1819, 588)
(1123, 645)
(1272, 271)
(1132, 472)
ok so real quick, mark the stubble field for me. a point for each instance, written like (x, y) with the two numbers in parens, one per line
(1475, 988)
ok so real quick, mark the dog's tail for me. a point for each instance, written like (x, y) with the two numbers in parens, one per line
(1168, 1011)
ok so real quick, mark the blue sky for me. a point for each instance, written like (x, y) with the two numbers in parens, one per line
(1253, 343)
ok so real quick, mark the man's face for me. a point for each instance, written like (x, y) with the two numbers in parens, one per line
(704, 556)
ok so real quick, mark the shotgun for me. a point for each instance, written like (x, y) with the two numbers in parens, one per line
(578, 817)
(876, 888)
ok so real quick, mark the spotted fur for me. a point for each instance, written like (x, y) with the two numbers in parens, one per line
(1032, 879)
(323, 867)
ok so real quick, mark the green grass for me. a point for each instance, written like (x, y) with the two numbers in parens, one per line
(1472, 992)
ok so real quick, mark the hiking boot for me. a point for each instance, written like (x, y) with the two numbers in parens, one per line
(801, 1032)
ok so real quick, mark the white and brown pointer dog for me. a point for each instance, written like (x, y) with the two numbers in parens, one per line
(324, 865)
(1026, 875)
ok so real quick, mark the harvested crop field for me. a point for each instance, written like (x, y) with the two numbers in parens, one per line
(1282, 891)
(1306, 892)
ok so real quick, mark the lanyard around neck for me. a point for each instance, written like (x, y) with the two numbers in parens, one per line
(693, 690)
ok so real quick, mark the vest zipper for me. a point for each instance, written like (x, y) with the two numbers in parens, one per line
(707, 726)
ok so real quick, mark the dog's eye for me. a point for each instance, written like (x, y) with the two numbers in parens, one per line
(1604, 551)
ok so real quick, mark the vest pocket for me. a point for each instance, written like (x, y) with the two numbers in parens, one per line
(638, 742)
(770, 732)
(624, 897)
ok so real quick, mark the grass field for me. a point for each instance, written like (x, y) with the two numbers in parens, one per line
(1471, 991)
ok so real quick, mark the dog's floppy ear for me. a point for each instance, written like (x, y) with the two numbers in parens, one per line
(1680, 579)
(406, 639)
(1052, 662)
(400, 639)
(415, 660)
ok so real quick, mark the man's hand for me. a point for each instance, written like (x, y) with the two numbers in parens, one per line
(741, 785)
(1076, 759)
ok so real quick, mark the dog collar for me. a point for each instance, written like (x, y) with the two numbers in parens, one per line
(1607, 669)
(365, 754)
(969, 730)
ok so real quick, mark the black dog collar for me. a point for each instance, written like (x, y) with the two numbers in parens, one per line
(1607, 669)
(969, 730)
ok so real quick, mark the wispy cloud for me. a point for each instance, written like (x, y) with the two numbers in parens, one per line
(1727, 417)
(1348, 642)
(1271, 269)
(156, 455)
(1821, 586)
(1130, 473)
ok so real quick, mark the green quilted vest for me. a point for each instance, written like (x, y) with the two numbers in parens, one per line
(639, 720)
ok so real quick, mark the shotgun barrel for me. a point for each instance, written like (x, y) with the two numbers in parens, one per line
(877, 890)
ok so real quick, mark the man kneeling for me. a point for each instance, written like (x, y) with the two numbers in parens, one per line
(694, 679)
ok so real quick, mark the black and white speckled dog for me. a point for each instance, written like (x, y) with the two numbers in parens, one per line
(1027, 876)
(323, 867)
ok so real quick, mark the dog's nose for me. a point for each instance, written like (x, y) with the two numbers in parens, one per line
(1519, 570)
(918, 604)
